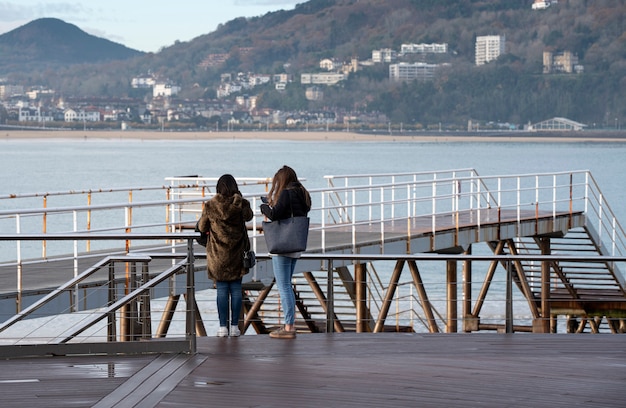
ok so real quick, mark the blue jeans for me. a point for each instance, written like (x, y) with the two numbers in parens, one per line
(283, 271)
(229, 297)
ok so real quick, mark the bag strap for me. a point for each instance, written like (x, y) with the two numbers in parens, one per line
(245, 236)
(290, 201)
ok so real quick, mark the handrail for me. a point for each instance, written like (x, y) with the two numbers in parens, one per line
(325, 259)
(133, 295)
(67, 285)
(377, 199)
(186, 264)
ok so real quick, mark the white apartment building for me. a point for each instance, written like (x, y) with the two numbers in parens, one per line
(424, 48)
(27, 114)
(418, 71)
(489, 48)
(71, 115)
(165, 89)
(384, 55)
(330, 78)
(143, 82)
(7, 91)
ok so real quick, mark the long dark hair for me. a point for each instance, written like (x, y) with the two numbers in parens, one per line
(283, 178)
(227, 186)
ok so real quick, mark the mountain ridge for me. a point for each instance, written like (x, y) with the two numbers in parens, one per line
(512, 88)
(53, 41)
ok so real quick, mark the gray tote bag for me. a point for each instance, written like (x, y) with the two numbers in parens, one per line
(285, 236)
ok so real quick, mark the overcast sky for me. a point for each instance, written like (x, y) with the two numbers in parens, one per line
(139, 24)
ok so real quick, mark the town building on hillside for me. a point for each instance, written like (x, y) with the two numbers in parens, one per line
(564, 61)
(82, 115)
(489, 48)
(282, 78)
(330, 78)
(39, 92)
(246, 102)
(27, 114)
(385, 55)
(165, 89)
(8, 91)
(143, 82)
(557, 124)
(350, 67)
(424, 48)
(543, 4)
(404, 71)
(314, 93)
(329, 64)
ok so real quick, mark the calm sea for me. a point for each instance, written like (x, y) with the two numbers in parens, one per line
(60, 165)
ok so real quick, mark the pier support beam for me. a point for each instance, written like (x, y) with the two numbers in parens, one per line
(452, 314)
(467, 293)
(542, 325)
(362, 314)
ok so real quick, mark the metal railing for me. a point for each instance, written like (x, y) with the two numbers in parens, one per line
(138, 288)
(371, 200)
(367, 198)
(106, 296)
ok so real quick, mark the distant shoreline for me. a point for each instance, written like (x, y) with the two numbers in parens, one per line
(434, 137)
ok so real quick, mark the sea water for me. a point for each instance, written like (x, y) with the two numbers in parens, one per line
(28, 166)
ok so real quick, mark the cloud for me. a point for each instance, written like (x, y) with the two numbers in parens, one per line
(15, 12)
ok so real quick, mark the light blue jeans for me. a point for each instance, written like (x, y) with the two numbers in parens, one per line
(283, 271)
(229, 298)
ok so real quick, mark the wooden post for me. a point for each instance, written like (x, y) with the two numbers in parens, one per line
(452, 314)
(467, 293)
(360, 278)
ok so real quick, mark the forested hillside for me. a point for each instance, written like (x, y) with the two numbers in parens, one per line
(512, 89)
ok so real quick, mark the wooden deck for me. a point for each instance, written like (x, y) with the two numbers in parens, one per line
(348, 369)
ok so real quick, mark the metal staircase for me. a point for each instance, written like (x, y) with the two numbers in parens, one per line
(578, 290)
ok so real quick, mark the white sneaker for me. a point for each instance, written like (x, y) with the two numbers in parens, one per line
(234, 331)
(222, 332)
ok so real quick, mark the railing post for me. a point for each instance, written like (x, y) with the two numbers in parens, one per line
(323, 222)
(509, 297)
(18, 299)
(360, 279)
(452, 314)
(191, 300)
(112, 297)
(330, 299)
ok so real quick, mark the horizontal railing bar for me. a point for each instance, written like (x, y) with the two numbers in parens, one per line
(70, 236)
(454, 257)
(102, 314)
(367, 175)
(306, 255)
(61, 289)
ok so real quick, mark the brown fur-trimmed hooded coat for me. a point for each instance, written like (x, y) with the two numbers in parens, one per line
(223, 218)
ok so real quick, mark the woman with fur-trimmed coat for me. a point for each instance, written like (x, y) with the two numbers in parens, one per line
(223, 219)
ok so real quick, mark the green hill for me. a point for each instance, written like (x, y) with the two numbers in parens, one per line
(511, 89)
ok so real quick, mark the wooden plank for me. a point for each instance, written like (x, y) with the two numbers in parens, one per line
(346, 369)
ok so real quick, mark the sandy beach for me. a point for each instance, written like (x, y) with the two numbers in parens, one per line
(434, 137)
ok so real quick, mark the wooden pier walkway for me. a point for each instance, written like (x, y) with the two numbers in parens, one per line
(336, 370)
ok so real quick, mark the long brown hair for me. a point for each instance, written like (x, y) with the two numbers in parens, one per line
(227, 186)
(283, 177)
